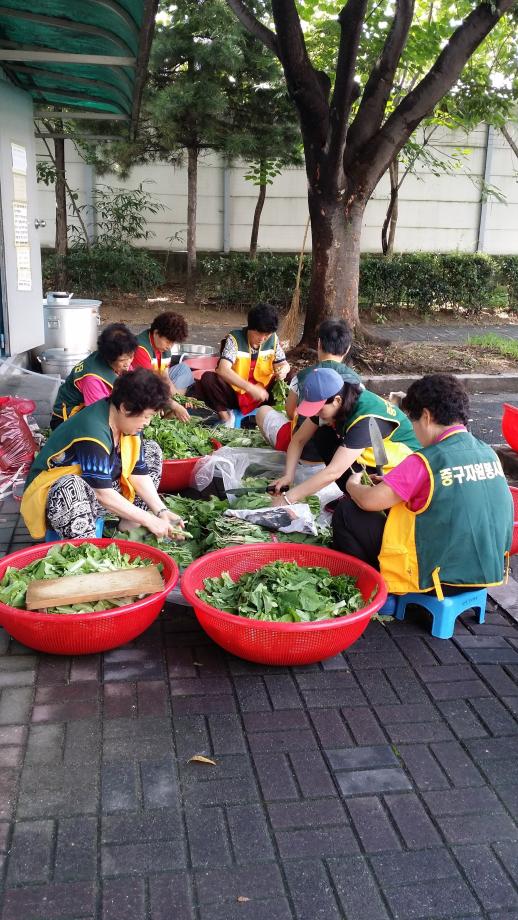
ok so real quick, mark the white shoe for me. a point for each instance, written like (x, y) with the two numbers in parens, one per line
(230, 420)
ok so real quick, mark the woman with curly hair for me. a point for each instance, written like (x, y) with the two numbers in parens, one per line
(97, 463)
(154, 352)
(450, 511)
(93, 378)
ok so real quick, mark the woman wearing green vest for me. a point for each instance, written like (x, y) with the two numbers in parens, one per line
(250, 360)
(154, 352)
(97, 462)
(93, 378)
(334, 342)
(450, 511)
(337, 420)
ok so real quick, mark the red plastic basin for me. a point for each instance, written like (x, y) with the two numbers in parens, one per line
(86, 633)
(281, 643)
(510, 425)
(177, 474)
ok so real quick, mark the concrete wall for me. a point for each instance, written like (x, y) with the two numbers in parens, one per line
(438, 213)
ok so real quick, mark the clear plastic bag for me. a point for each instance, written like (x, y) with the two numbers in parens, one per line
(232, 464)
(17, 443)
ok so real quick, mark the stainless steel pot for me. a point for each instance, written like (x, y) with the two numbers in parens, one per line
(73, 326)
(188, 349)
(60, 361)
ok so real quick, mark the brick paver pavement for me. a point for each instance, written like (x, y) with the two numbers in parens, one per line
(379, 784)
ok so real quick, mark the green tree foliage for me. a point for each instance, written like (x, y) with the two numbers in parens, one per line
(363, 78)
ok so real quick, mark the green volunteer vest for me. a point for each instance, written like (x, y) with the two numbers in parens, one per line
(346, 373)
(467, 527)
(69, 399)
(144, 341)
(91, 424)
(398, 444)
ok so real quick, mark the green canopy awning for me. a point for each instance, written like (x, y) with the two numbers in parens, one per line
(85, 58)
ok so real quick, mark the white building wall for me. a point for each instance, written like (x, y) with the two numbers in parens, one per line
(436, 213)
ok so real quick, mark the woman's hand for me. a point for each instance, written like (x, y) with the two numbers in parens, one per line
(165, 526)
(179, 412)
(279, 484)
(258, 393)
(355, 479)
(282, 370)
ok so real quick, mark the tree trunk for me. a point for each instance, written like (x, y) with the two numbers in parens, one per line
(257, 219)
(335, 270)
(61, 213)
(192, 196)
(388, 232)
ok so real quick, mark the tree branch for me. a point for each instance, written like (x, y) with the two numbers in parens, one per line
(351, 20)
(254, 26)
(510, 140)
(375, 156)
(309, 88)
(379, 85)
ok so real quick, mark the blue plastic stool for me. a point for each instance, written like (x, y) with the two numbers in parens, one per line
(444, 613)
(51, 535)
(238, 416)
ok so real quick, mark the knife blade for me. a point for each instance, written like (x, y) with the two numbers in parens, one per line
(378, 447)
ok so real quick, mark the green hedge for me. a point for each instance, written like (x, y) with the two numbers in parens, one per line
(417, 281)
(101, 268)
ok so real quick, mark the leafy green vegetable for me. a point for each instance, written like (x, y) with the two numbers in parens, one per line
(68, 559)
(238, 437)
(180, 440)
(280, 392)
(190, 401)
(182, 551)
(284, 592)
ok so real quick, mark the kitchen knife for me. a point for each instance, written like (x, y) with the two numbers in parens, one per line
(254, 490)
(378, 447)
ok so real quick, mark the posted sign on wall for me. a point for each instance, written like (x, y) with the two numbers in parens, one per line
(20, 218)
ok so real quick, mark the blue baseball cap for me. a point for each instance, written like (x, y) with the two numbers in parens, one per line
(320, 385)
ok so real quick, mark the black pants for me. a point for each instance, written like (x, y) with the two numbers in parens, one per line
(356, 532)
(360, 533)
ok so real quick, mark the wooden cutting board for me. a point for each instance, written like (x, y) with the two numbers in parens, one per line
(82, 589)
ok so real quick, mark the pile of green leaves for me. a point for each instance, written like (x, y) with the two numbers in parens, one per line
(68, 559)
(182, 551)
(284, 592)
(238, 437)
(180, 440)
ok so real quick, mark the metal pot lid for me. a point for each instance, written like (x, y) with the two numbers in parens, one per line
(75, 304)
(54, 354)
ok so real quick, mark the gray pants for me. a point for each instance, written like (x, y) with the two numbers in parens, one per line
(181, 376)
(72, 507)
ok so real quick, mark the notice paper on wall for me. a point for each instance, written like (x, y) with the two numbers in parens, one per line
(21, 223)
(23, 268)
(19, 159)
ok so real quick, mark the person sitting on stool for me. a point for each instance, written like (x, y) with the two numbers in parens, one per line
(450, 512)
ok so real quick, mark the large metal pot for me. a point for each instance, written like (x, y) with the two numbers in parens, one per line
(74, 325)
(60, 361)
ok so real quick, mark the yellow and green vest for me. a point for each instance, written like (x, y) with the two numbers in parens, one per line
(463, 533)
(70, 399)
(263, 371)
(398, 444)
(92, 424)
(144, 342)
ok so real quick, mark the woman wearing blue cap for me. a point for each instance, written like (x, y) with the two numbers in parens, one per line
(337, 419)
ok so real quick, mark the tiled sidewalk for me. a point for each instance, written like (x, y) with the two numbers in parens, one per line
(380, 784)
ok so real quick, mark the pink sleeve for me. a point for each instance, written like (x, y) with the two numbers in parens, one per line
(92, 389)
(411, 481)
